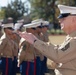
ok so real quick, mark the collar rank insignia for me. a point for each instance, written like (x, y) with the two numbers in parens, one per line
(66, 47)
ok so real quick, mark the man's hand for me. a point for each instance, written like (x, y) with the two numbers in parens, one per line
(29, 37)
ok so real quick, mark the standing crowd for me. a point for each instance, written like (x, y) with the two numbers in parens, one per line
(64, 55)
(28, 49)
(16, 53)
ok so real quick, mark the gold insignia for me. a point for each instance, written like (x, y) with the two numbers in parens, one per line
(66, 47)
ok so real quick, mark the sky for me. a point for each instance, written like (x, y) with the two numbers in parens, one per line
(5, 2)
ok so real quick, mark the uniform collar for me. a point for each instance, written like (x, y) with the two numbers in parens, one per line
(73, 34)
(6, 35)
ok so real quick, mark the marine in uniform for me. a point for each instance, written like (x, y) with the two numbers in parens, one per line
(36, 27)
(39, 56)
(17, 27)
(15, 54)
(63, 55)
(6, 49)
(45, 26)
(26, 56)
(26, 59)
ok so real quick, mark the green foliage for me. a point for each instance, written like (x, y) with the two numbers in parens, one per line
(15, 9)
(47, 9)
(43, 9)
(1, 14)
(57, 31)
(67, 2)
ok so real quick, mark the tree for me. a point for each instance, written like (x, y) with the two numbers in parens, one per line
(1, 14)
(67, 2)
(15, 9)
(43, 9)
(48, 10)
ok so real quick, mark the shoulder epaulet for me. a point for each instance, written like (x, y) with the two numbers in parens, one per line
(21, 41)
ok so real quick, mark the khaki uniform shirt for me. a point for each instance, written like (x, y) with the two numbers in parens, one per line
(46, 37)
(6, 47)
(26, 52)
(15, 50)
(37, 53)
(64, 55)
(17, 39)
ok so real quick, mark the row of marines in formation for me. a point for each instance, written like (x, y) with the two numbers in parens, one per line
(17, 52)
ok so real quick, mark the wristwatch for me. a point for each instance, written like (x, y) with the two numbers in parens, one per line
(35, 40)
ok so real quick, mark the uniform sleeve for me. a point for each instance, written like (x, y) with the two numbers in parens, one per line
(67, 52)
(15, 49)
(47, 50)
(3, 43)
(58, 54)
(21, 54)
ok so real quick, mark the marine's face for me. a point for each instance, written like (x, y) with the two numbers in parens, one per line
(8, 31)
(30, 30)
(66, 24)
(44, 29)
(39, 30)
